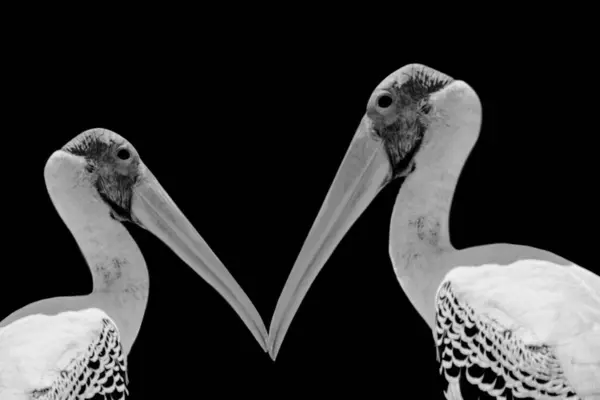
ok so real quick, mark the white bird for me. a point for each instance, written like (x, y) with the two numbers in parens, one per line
(508, 321)
(76, 347)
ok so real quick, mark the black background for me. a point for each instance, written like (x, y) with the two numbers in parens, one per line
(245, 131)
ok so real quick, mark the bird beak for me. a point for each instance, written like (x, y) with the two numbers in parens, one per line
(365, 169)
(153, 209)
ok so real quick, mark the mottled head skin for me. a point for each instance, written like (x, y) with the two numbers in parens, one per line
(401, 123)
(113, 165)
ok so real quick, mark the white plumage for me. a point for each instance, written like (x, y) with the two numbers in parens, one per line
(75, 348)
(486, 337)
(68, 355)
(509, 321)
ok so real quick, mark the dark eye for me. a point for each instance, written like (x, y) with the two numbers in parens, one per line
(384, 101)
(123, 154)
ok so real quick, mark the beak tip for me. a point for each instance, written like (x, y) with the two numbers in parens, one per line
(273, 354)
(272, 349)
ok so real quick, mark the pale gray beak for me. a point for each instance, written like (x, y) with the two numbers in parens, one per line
(363, 172)
(153, 209)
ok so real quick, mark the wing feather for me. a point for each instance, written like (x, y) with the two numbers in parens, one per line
(530, 329)
(72, 355)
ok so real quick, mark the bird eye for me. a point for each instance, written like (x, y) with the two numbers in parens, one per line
(384, 101)
(123, 154)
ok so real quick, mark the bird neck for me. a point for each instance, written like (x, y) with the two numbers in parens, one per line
(114, 259)
(419, 232)
(119, 273)
(419, 235)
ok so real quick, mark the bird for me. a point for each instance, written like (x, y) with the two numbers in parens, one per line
(507, 321)
(77, 347)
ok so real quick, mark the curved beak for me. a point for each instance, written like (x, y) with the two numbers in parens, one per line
(365, 169)
(153, 209)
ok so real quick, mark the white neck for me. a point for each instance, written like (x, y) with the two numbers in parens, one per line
(419, 232)
(119, 273)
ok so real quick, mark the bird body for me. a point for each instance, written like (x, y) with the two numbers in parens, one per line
(76, 347)
(77, 353)
(532, 324)
(509, 321)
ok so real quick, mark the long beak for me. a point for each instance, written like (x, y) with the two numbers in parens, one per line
(155, 211)
(364, 171)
